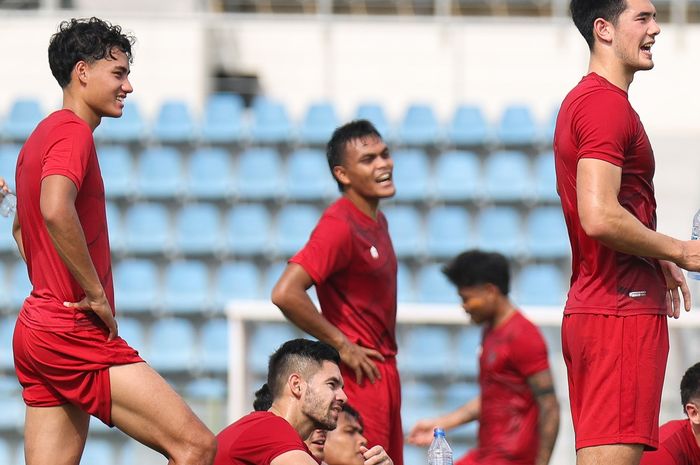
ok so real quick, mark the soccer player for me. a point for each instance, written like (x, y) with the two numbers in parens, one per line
(346, 445)
(680, 439)
(517, 408)
(625, 275)
(306, 388)
(68, 355)
(351, 261)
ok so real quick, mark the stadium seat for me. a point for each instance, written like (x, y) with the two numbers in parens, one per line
(411, 174)
(517, 127)
(4, 289)
(172, 345)
(186, 287)
(248, 230)
(457, 176)
(174, 123)
(406, 230)
(237, 280)
(12, 418)
(308, 177)
(433, 286)
(8, 163)
(418, 401)
(206, 388)
(374, 113)
(24, 115)
(507, 177)
(545, 178)
(7, 328)
(319, 123)
(500, 230)
(549, 126)
(117, 170)
(468, 127)
(468, 344)
(272, 275)
(20, 286)
(448, 231)
(129, 128)
(5, 451)
(419, 126)
(404, 283)
(547, 237)
(264, 339)
(213, 355)
(7, 241)
(198, 230)
(136, 285)
(259, 175)
(414, 455)
(159, 173)
(115, 227)
(147, 229)
(131, 330)
(457, 395)
(98, 451)
(209, 174)
(294, 225)
(271, 124)
(418, 361)
(541, 284)
(223, 119)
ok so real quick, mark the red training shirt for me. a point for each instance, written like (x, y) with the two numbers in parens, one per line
(597, 121)
(677, 446)
(257, 439)
(352, 262)
(61, 144)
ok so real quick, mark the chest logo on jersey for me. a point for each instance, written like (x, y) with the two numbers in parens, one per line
(374, 252)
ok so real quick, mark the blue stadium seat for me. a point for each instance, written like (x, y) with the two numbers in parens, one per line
(507, 177)
(198, 230)
(457, 395)
(7, 328)
(406, 228)
(294, 225)
(259, 175)
(420, 126)
(404, 284)
(131, 330)
(248, 230)
(418, 361)
(271, 123)
(206, 388)
(448, 231)
(214, 346)
(174, 123)
(117, 169)
(272, 275)
(500, 230)
(547, 237)
(136, 285)
(13, 410)
(517, 127)
(237, 280)
(98, 451)
(223, 119)
(545, 178)
(411, 174)
(20, 286)
(4, 289)
(308, 176)
(24, 115)
(418, 401)
(468, 344)
(468, 127)
(319, 123)
(172, 345)
(130, 127)
(414, 455)
(374, 113)
(209, 174)
(5, 451)
(7, 242)
(159, 173)
(549, 127)
(433, 286)
(147, 229)
(186, 287)
(264, 339)
(8, 163)
(541, 284)
(115, 227)
(457, 176)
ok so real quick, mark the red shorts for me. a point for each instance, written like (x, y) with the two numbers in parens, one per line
(58, 368)
(379, 405)
(616, 367)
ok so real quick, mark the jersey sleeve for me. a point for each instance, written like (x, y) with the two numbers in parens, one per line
(68, 152)
(530, 351)
(280, 439)
(328, 250)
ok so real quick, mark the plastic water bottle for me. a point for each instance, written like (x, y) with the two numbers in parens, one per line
(8, 204)
(694, 236)
(439, 452)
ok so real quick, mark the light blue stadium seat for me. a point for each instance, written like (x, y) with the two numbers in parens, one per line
(414, 455)
(468, 127)
(98, 451)
(115, 226)
(547, 237)
(426, 351)
(5, 451)
(186, 287)
(550, 126)
(259, 175)
(20, 286)
(294, 225)
(24, 115)
(7, 241)
(411, 174)
(272, 275)
(271, 123)
(308, 176)
(12, 418)
(237, 280)
(457, 395)
(374, 113)
(457, 176)
(131, 330)
(406, 229)
(468, 344)
(206, 388)
(209, 174)
(174, 123)
(4, 289)
(172, 345)
(319, 123)
(420, 126)
(117, 169)
(404, 284)
(517, 126)
(159, 173)
(500, 230)
(223, 119)
(130, 127)
(7, 328)
(508, 177)
(136, 285)
(198, 229)
(545, 178)
(248, 230)
(147, 229)
(8, 163)
(540, 284)
(418, 401)
(214, 346)
(448, 231)
(264, 339)
(434, 287)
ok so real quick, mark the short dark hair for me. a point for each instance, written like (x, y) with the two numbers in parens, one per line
(347, 408)
(263, 399)
(335, 149)
(585, 12)
(476, 267)
(690, 385)
(301, 356)
(83, 39)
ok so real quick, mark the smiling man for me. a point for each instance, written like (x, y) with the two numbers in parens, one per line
(351, 261)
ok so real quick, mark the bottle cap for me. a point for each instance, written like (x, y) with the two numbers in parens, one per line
(438, 432)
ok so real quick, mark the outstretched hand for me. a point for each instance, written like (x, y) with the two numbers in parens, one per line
(359, 359)
(422, 433)
(101, 308)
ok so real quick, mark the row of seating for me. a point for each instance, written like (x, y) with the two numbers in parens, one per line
(225, 120)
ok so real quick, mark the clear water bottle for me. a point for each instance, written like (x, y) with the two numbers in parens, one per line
(694, 236)
(8, 204)
(439, 452)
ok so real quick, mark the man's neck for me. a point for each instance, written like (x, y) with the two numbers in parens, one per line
(612, 70)
(293, 416)
(505, 312)
(696, 432)
(80, 108)
(368, 206)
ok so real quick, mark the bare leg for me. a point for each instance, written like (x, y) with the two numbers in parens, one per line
(55, 435)
(146, 408)
(613, 454)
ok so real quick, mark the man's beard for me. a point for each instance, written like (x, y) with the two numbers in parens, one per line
(313, 408)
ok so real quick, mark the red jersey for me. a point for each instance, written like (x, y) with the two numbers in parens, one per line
(61, 144)
(677, 446)
(596, 120)
(257, 439)
(352, 262)
(508, 429)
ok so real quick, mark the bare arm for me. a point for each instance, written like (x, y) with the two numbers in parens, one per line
(289, 294)
(548, 418)
(422, 433)
(57, 205)
(293, 457)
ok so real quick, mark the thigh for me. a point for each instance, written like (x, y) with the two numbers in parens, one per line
(55, 435)
(613, 454)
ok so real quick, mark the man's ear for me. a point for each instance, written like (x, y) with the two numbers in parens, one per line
(296, 384)
(80, 72)
(693, 413)
(603, 31)
(341, 175)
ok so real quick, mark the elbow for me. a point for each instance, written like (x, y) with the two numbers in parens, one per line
(279, 295)
(596, 226)
(51, 215)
